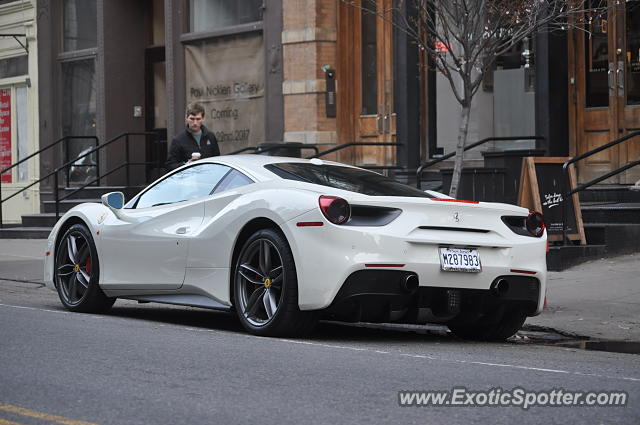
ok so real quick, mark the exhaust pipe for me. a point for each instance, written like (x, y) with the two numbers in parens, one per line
(410, 283)
(500, 287)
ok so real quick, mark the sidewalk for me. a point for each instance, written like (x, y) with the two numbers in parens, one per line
(599, 299)
(22, 259)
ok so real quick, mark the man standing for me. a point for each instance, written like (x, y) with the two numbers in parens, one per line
(194, 139)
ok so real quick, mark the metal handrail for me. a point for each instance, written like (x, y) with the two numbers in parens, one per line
(348, 145)
(565, 167)
(127, 163)
(23, 160)
(250, 148)
(46, 148)
(108, 173)
(259, 150)
(66, 165)
(428, 164)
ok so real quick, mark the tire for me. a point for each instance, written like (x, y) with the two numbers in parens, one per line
(266, 288)
(498, 326)
(77, 272)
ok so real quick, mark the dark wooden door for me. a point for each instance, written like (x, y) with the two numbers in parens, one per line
(365, 80)
(605, 85)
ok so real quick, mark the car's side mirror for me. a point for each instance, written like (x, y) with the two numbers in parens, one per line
(113, 200)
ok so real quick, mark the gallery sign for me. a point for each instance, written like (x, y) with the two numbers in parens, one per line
(5, 133)
(227, 77)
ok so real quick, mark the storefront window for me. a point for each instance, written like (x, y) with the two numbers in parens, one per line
(596, 44)
(13, 67)
(207, 15)
(633, 52)
(79, 112)
(369, 59)
(80, 25)
(226, 75)
(5, 133)
(21, 127)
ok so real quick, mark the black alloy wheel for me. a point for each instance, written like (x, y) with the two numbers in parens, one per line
(266, 287)
(77, 272)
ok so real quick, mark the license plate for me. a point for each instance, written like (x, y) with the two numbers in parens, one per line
(460, 260)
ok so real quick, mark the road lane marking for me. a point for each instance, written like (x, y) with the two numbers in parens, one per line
(434, 358)
(6, 422)
(39, 415)
(34, 308)
(6, 279)
(21, 256)
(374, 351)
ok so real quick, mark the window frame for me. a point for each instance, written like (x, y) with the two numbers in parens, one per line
(191, 35)
(277, 169)
(133, 203)
(63, 49)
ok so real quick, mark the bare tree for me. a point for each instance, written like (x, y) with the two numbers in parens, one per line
(465, 37)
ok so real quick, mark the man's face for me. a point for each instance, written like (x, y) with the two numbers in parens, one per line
(194, 122)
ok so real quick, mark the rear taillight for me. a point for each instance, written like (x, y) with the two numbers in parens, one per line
(460, 201)
(335, 209)
(535, 224)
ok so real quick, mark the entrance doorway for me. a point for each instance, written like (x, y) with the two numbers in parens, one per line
(156, 116)
(605, 87)
(365, 80)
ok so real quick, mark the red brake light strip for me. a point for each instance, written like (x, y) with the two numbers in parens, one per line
(461, 201)
(309, 224)
(522, 271)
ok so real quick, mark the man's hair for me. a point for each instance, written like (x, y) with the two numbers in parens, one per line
(194, 108)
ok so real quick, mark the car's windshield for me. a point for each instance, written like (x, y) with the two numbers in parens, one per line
(346, 178)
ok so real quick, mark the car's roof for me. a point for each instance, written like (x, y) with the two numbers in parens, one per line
(254, 164)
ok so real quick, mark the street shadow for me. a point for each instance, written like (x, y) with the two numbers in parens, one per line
(325, 332)
(179, 316)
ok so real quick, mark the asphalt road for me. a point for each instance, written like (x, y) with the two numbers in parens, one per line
(154, 364)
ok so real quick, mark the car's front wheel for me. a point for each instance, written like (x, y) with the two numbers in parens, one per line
(77, 272)
(266, 287)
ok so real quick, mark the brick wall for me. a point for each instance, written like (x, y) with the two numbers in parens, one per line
(309, 42)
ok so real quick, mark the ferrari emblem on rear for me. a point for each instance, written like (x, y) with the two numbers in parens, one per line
(456, 217)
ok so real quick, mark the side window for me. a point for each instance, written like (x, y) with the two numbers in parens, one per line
(232, 180)
(191, 183)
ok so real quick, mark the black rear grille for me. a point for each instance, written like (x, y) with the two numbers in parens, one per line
(454, 229)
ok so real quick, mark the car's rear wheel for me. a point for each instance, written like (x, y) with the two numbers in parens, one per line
(77, 272)
(498, 326)
(266, 287)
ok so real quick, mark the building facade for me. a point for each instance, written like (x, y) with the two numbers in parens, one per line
(18, 105)
(321, 72)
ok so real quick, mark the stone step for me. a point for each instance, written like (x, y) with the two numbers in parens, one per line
(602, 238)
(66, 205)
(611, 213)
(39, 220)
(610, 193)
(562, 257)
(91, 192)
(25, 233)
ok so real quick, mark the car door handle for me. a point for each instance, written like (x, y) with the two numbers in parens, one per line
(182, 230)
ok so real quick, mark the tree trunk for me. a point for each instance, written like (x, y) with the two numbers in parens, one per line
(462, 142)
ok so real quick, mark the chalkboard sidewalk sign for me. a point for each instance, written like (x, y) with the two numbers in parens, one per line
(541, 190)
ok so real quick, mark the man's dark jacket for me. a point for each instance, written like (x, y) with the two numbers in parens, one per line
(184, 144)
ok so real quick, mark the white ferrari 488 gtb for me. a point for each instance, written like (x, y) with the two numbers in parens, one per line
(285, 242)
